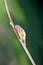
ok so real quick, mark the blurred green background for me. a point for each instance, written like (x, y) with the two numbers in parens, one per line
(29, 15)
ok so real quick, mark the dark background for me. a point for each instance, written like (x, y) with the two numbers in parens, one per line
(31, 19)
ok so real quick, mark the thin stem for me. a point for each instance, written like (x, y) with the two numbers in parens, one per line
(8, 13)
(11, 23)
(28, 53)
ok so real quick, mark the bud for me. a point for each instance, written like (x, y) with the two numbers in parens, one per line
(20, 33)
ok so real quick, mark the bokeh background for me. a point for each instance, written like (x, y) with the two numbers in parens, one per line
(29, 15)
